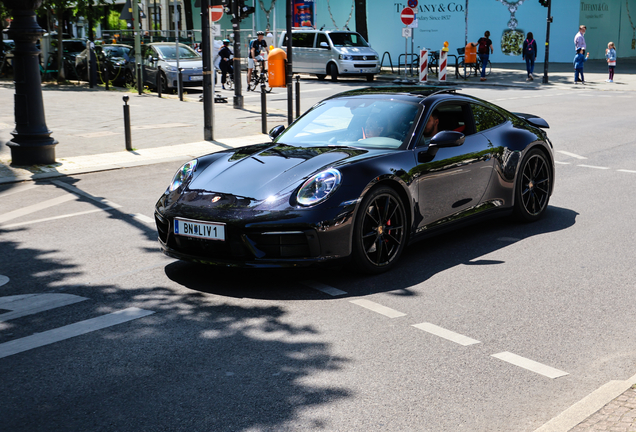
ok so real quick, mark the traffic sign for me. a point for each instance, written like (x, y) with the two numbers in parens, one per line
(412, 4)
(216, 13)
(407, 15)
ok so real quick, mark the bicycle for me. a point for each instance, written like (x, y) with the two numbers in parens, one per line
(472, 68)
(433, 63)
(259, 77)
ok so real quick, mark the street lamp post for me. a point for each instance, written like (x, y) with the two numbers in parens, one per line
(32, 143)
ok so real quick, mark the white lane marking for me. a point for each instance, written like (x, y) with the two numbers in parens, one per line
(36, 207)
(4, 280)
(571, 154)
(375, 307)
(592, 166)
(59, 334)
(80, 192)
(621, 170)
(446, 334)
(18, 189)
(29, 304)
(323, 288)
(143, 218)
(562, 163)
(530, 365)
(55, 217)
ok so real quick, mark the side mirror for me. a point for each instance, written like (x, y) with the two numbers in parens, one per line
(447, 139)
(538, 122)
(275, 131)
(324, 45)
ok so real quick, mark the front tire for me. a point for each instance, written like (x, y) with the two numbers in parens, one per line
(380, 231)
(534, 183)
(333, 71)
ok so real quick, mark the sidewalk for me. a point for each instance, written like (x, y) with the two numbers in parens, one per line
(90, 129)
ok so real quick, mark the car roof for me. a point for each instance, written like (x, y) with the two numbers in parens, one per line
(401, 91)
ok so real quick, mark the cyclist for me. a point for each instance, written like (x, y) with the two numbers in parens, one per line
(256, 47)
(226, 62)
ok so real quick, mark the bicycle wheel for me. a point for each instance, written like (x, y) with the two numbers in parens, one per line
(254, 82)
(464, 72)
(488, 68)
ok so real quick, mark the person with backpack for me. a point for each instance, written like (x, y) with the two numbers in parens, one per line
(484, 49)
(529, 54)
(256, 46)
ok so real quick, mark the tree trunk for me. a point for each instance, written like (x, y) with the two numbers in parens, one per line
(361, 18)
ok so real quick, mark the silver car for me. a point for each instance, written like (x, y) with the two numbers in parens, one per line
(164, 55)
(333, 53)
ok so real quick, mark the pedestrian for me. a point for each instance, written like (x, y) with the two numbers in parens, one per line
(579, 39)
(579, 61)
(226, 63)
(484, 49)
(256, 46)
(529, 54)
(610, 55)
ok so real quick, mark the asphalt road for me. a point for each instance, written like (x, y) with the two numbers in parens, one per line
(497, 327)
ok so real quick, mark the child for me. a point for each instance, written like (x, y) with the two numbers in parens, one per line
(610, 55)
(579, 61)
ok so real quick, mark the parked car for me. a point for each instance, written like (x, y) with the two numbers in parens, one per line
(6, 55)
(116, 56)
(164, 55)
(333, 53)
(72, 48)
(356, 177)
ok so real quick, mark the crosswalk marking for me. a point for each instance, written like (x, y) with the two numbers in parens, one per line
(323, 288)
(446, 334)
(592, 166)
(29, 304)
(59, 334)
(36, 207)
(375, 307)
(80, 192)
(571, 154)
(18, 189)
(530, 365)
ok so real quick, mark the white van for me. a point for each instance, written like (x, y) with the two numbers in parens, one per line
(333, 53)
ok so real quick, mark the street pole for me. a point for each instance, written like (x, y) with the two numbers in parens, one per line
(288, 67)
(32, 143)
(176, 41)
(236, 25)
(208, 71)
(135, 21)
(547, 44)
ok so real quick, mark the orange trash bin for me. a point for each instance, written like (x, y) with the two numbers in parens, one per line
(276, 67)
(470, 53)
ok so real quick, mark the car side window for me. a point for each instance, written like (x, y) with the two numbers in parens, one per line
(303, 40)
(320, 39)
(451, 117)
(486, 118)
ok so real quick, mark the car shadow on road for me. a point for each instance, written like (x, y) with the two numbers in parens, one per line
(419, 263)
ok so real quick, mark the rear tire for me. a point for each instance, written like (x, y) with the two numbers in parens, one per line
(533, 186)
(380, 231)
(370, 77)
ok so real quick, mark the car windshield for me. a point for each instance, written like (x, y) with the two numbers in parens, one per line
(116, 51)
(169, 52)
(348, 39)
(364, 122)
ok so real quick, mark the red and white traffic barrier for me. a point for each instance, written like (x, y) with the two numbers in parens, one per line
(443, 56)
(423, 66)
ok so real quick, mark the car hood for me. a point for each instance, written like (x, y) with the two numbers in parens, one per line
(259, 172)
(186, 63)
(357, 51)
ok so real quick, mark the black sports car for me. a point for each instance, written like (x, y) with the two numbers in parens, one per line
(358, 176)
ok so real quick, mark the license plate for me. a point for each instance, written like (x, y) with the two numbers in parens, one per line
(196, 78)
(198, 229)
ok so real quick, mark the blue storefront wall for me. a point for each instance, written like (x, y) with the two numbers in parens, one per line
(609, 20)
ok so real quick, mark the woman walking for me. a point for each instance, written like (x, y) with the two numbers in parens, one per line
(529, 54)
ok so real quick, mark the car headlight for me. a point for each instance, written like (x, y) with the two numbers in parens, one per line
(346, 57)
(171, 68)
(318, 187)
(183, 175)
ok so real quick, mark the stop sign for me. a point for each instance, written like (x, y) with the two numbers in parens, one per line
(407, 15)
(216, 13)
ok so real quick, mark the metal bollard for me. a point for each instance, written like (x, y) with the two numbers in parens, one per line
(297, 96)
(159, 84)
(180, 84)
(263, 109)
(127, 123)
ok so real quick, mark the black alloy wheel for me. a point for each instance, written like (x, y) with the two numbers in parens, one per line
(380, 231)
(533, 186)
